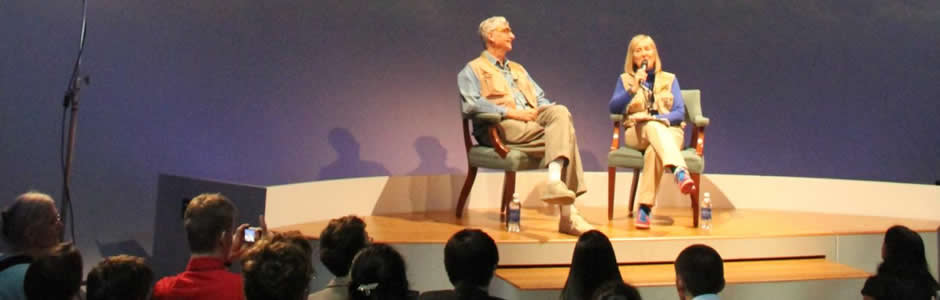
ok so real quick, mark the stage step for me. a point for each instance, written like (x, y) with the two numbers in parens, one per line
(657, 275)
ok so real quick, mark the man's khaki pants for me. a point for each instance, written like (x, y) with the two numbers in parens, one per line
(550, 136)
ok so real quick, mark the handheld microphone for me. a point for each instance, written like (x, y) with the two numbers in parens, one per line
(643, 69)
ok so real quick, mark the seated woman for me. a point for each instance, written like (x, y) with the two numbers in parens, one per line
(903, 274)
(592, 264)
(652, 101)
(378, 273)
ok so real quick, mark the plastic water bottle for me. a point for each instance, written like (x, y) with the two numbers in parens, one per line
(706, 214)
(514, 214)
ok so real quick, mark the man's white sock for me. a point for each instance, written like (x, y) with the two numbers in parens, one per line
(566, 210)
(554, 169)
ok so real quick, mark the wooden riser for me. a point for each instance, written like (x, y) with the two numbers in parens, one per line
(651, 275)
(737, 234)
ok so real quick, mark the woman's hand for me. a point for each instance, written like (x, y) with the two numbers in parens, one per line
(640, 76)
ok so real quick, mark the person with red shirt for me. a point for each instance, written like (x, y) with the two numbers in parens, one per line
(209, 223)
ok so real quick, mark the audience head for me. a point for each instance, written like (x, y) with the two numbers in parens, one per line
(378, 272)
(470, 258)
(279, 266)
(905, 260)
(699, 270)
(903, 248)
(120, 277)
(339, 243)
(54, 275)
(616, 290)
(592, 263)
(31, 224)
(209, 220)
(639, 43)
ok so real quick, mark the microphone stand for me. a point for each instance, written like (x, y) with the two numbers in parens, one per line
(76, 81)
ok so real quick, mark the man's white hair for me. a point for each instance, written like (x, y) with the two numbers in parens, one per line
(489, 25)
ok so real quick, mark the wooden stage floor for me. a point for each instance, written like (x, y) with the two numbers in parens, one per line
(541, 226)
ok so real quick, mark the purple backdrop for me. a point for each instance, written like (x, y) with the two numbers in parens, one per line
(272, 92)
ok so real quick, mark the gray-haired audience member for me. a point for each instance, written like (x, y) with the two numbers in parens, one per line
(616, 290)
(700, 273)
(470, 258)
(904, 273)
(120, 277)
(339, 242)
(279, 266)
(55, 275)
(378, 273)
(31, 226)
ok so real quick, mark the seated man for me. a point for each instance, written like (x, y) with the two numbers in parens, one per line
(339, 243)
(470, 258)
(120, 277)
(700, 273)
(278, 267)
(531, 123)
(209, 222)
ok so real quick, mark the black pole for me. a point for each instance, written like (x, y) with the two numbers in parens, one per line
(76, 81)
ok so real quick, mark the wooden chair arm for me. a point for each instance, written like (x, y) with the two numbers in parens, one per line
(615, 137)
(698, 138)
(497, 141)
(492, 130)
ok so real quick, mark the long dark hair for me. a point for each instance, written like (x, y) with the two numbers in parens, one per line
(905, 264)
(378, 273)
(592, 264)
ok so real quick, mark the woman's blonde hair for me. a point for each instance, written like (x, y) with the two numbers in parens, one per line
(628, 63)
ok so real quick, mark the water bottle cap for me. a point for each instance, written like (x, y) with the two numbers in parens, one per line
(707, 194)
(515, 195)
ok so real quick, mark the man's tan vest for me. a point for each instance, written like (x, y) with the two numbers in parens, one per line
(493, 85)
(662, 92)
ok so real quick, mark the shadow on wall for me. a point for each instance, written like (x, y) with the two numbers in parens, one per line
(431, 186)
(348, 163)
(403, 194)
(433, 157)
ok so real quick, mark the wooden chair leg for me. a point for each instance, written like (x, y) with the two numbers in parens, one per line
(695, 198)
(509, 187)
(636, 180)
(465, 191)
(611, 179)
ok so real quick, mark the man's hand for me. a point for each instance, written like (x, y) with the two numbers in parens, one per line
(524, 115)
(239, 246)
(238, 243)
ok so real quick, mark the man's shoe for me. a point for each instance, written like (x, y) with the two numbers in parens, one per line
(574, 225)
(686, 185)
(557, 193)
(642, 220)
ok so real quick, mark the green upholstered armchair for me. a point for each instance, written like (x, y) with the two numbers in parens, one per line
(621, 156)
(496, 157)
